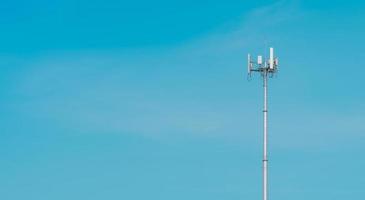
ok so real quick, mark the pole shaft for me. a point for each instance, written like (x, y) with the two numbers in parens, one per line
(265, 160)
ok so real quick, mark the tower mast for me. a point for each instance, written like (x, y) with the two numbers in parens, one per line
(266, 69)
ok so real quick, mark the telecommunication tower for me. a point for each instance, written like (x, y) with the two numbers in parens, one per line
(266, 68)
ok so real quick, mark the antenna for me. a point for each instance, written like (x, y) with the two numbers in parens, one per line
(259, 60)
(249, 64)
(271, 58)
(268, 68)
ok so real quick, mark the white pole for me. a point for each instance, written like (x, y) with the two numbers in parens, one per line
(265, 161)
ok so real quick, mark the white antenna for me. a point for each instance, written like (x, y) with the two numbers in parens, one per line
(265, 69)
(271, 58)
(249, 64)
(259, 60)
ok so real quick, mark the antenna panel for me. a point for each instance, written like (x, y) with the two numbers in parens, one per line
(271, 62)
(259, 60)
(276, 62)
(249, 64)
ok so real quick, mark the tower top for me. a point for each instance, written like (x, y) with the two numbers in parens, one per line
(265, 66)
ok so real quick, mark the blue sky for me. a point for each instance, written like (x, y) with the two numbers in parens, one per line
(150, 100)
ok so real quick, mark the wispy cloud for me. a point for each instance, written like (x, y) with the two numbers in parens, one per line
(194, 88)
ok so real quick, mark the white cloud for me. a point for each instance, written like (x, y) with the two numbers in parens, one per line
(174, 90)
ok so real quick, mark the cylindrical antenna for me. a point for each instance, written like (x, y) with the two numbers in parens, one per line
(271, 58)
